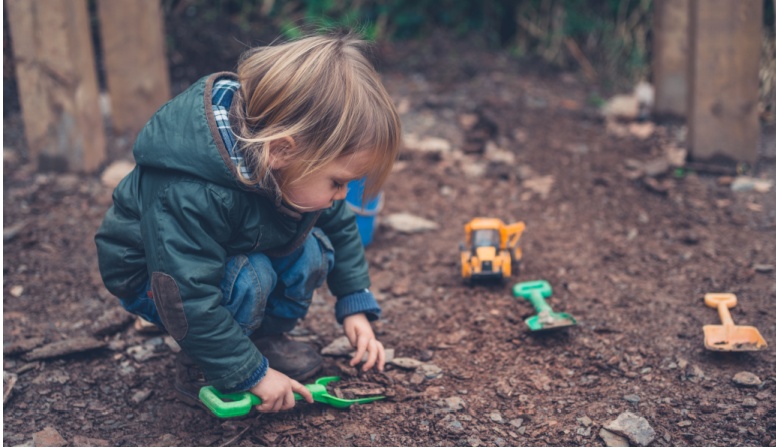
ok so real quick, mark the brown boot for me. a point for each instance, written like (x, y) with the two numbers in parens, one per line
(189, 379)
(295, 359)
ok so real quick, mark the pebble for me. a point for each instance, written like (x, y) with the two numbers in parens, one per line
(140, 396)
(632, 398)
(496, 417)
(406, 363)
(747, 379)
(517, 422)
(584, 420)
(612, 439)
(48, 437)
(452, 404)
(88, 441)
(764, 268)
(430, 371)
(632, 426)
(451, 424)
(684, 423)
(407, 223)
(749, 402)
(338, 347)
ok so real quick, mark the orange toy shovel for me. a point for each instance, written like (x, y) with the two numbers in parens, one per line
(729, 337)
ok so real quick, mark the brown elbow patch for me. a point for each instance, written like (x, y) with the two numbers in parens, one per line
(169, 303)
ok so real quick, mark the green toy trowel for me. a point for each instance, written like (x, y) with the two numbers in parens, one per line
(536, 292)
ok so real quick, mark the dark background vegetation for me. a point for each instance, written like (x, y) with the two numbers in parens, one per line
(610, 40)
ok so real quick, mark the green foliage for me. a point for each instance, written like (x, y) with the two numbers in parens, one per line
(608, 39)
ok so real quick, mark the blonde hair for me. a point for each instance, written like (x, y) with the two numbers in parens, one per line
(323, 93)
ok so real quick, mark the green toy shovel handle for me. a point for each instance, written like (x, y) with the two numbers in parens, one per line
(534, 292)
(230, 405)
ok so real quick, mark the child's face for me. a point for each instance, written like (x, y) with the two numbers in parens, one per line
(319, 190)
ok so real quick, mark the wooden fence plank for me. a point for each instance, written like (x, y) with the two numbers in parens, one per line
(57, 80)
(670, 57)
(725, 39)
(133, 47)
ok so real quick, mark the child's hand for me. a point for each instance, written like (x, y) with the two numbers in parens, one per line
(360, 334)
(277, 392)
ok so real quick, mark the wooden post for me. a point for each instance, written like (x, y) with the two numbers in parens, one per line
(135, 60)
(670, 57)
(57, 81)
(725, 39)
(133, 47)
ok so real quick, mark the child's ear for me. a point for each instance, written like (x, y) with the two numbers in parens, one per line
(280, 151)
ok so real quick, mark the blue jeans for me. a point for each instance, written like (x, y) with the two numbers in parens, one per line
(268, 294)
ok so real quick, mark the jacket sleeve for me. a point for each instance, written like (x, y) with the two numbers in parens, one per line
(183, 229)
(350, 273)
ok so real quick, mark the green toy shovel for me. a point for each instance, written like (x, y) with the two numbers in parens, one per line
(238, 404)
(546, 319)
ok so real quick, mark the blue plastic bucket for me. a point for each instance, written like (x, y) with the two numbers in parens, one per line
(366, 214)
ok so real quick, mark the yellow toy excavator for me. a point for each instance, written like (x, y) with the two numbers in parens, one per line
(491, 249)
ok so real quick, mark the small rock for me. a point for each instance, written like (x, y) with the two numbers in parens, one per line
(684, 423)
(430, 371)
(452, 425)
(496, 417)
(632, 426)
(407, 223)
(22, 345)
(584, 431)
(141, 353)
(632, 398)
(541, 185)
(656, 167)
(746, 183)
(452, 404)
(167, 440)
(517, 422)
(764, 268)
(612, 439)
(88, 441)
(141, 395)
(338, 347)
(747, 379)
(749, 402)
(406, 363)
(584, 420)
(48, 437)
(17, 290)
(66, 347)
(695, 374)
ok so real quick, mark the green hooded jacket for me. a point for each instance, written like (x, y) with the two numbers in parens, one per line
(183, 211)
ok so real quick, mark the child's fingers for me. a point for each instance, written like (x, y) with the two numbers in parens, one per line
(380, 356)
(373, 353)
(301, 390)
(361, 346)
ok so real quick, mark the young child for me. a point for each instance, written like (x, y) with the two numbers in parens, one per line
(235, 214)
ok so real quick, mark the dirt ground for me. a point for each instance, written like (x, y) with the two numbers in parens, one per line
(629, 248)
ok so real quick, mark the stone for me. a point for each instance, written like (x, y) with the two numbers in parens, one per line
(612, 439)
(749, 402)
(88, 441)
(406, 363)
(452, 404)
(632, 398)
(407, 223)
(585, 420)
(430, 371)
(747, 379)
(338, 347)
(632, 426)
(496, 417)
(48, 437)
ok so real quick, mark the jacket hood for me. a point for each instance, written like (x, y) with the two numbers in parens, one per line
(183, 136)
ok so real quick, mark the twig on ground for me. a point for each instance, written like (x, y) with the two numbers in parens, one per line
(237, 437)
